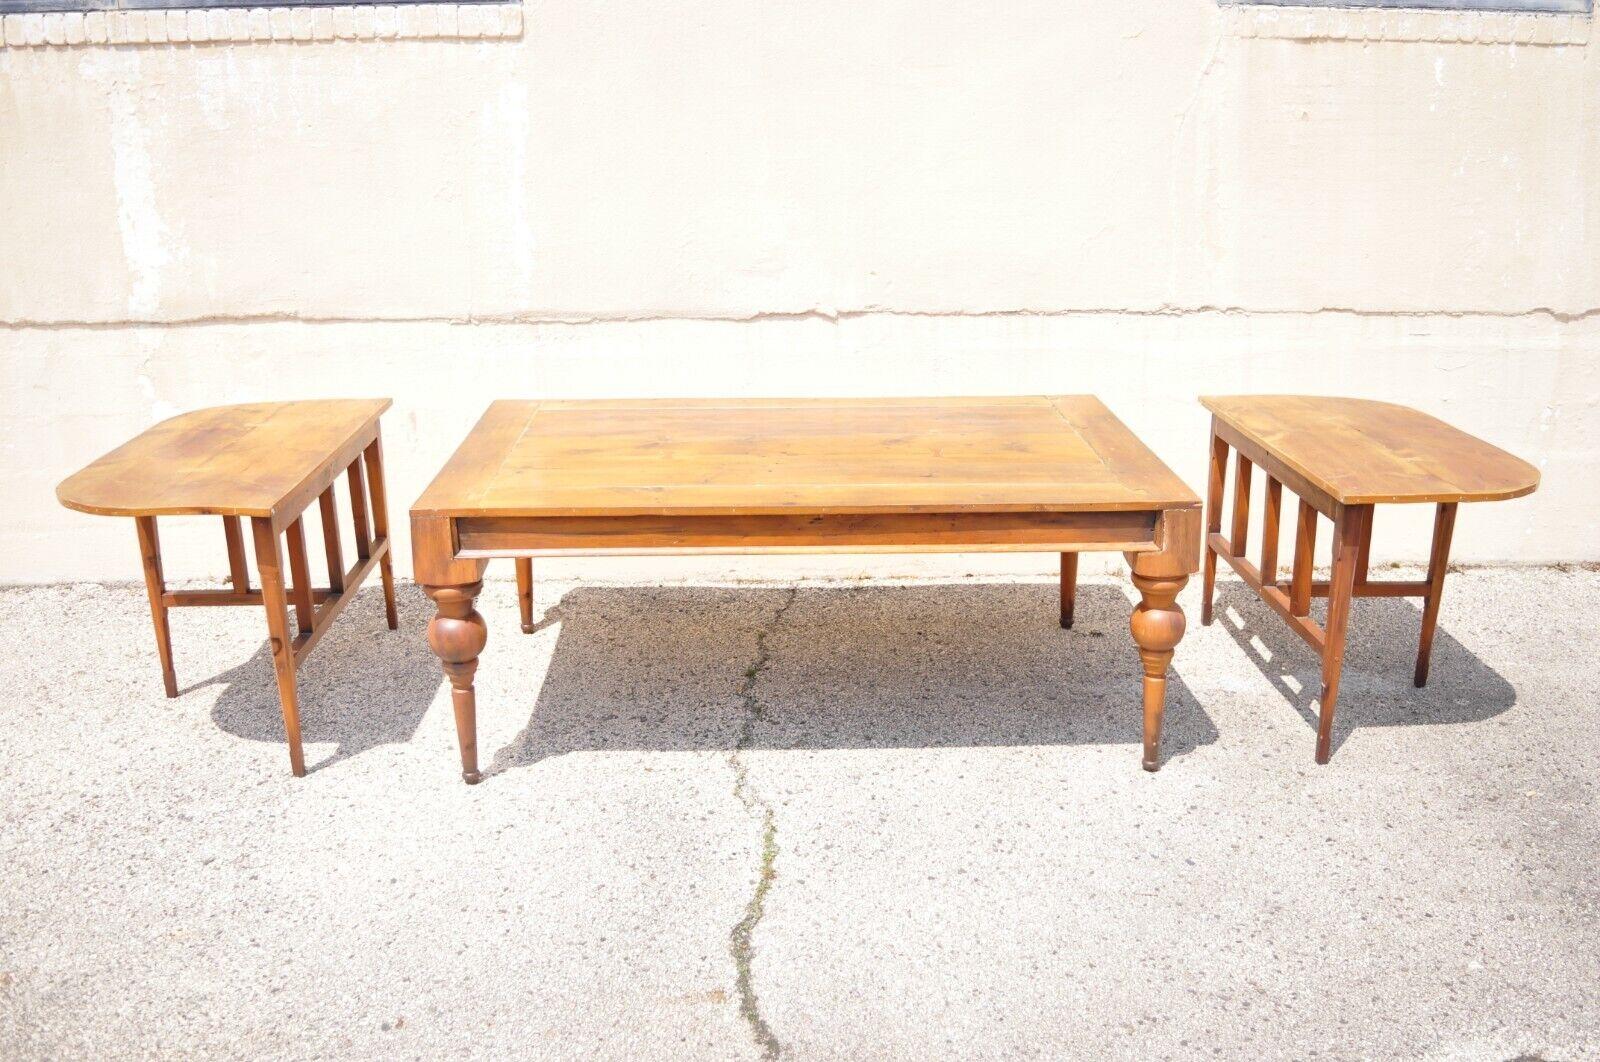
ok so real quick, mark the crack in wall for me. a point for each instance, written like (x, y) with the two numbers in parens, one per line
(740, 944)
(817, 314)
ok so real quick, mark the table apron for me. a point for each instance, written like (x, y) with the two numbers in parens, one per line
(1067, 532)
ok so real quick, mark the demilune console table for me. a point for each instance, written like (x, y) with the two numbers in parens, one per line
(268, 461)
(909, 475)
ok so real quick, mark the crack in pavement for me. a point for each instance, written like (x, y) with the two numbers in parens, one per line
(739, 938)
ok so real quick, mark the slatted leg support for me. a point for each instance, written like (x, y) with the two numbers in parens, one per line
(1271, 516)
(1239, 536)
(1352, 561)
(300, 575)
(1305, 551)
(330, 540)
(286, 579)
(358, 509)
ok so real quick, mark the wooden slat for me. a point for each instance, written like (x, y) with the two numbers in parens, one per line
(1305, 547)
(300, 573)
(1218, 475)
(1382, 588)
(217, 598)
(1271, 516)
(330, 539)
(1239, 540)
(378, 495)
(375, 482)
(1302, 625)
(903, 532)
(358, 509)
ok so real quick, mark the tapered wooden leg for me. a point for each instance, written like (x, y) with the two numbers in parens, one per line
(1069, 587)
(155, 586)
(1349, 526)
(1444, 525)
(1219, 465)
(380, 524)
(457, 635)
(1157, 628)
(269, 563)
(525, 593)
(238, 570)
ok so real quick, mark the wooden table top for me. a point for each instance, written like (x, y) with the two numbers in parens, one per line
(226, 460)
(765, 456)
(1363, 452)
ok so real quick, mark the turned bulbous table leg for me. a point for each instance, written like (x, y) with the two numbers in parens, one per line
(1157, 626)
(457, 635)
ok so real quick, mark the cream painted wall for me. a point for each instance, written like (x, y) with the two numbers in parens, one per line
(751, 197)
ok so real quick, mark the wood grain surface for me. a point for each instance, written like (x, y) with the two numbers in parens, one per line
(1361, 452)
(259, 459)
(784, 456)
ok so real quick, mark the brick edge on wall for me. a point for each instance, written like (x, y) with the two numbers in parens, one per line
(215, 25)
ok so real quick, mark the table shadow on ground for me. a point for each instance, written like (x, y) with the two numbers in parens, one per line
(1375, 687)
(364, 686)
(665, 668)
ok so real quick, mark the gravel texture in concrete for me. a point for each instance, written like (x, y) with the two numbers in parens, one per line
(819, 821)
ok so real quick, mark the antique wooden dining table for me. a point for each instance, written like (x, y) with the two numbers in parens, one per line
(1013, 474)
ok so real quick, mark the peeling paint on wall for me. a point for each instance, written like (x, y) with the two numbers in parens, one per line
(145, 240)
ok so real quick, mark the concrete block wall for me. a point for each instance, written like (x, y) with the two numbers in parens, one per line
(1148, 200)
